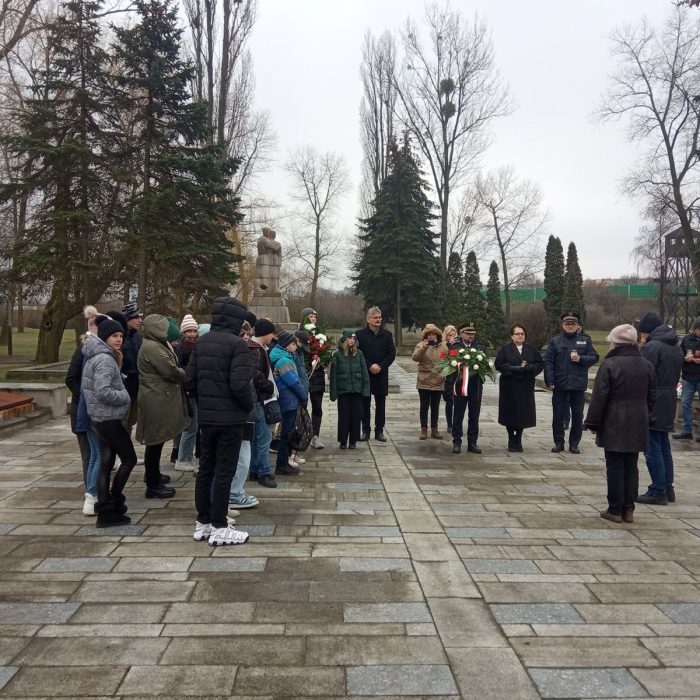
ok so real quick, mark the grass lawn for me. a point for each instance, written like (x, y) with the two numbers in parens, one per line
(24, 349)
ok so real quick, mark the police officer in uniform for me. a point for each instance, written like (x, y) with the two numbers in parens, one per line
(566, 363)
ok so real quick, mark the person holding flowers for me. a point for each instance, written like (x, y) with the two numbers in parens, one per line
(465, 366)
(317, 359)
(519, 363)
(349, 385)
(429, 382)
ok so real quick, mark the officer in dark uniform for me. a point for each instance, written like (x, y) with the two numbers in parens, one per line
(566, 363)
(466, 338)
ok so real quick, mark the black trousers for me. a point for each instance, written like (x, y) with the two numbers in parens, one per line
(472, 403)
(114, 438)
(623, 480)
(349, 416)
(429, 400)
(379, 413)
(152, 465)
(316, 410)
(217, 466)
(449, 409)
(561, 401)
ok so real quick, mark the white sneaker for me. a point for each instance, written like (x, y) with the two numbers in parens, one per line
(230, 520)
(227, 535)
(299, 460)
(89, 504)
(201, 531)
(184, 466)
(233, 512)
(292, 463)
(316, 443)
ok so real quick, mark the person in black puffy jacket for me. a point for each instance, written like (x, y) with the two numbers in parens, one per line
(660, 347)
(690, 345)
(219, 375)
(566, 364)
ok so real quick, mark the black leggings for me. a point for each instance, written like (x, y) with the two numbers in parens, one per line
(152, 465)
(316, 410)
(114, 438)
(429, 399)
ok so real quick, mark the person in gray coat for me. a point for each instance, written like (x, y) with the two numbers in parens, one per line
(107, 403)
(660, 347)
(622, 399)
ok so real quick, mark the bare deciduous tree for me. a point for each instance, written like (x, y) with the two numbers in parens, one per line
(657, 91)
(17, 20)
(515, 219)
(377, 110)
(319, 180)
(449, 95)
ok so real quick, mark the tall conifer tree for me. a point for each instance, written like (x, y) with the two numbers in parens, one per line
(474, 310)
(573, 284)
(397, 266)
(67, 173)
(453, 291)
(182, 204)
(495, 316)
(554, 277)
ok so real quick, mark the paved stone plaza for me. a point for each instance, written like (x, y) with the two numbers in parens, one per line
(396, 570)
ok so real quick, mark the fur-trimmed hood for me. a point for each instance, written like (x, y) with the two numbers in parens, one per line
(431, 328)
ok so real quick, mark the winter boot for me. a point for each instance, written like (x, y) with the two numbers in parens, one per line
(424, 432)
(435, 434)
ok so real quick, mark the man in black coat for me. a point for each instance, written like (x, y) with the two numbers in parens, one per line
(377, 346)
(690, 346)
(566, 363)
(472, 401)
(130, 353)
(219, 375)
(660, 347)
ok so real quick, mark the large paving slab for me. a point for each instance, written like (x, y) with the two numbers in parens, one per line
(398, 570)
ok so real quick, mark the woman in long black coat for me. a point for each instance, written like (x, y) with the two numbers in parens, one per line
(519, 363)
(623, 397)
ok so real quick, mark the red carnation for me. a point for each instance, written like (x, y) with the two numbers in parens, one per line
(453, 353)
(442, 355)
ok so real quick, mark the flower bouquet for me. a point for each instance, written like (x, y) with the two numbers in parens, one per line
(320, 348)
(467, 362)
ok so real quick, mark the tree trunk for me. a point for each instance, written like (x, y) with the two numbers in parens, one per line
(57, 313)
(317, 264)
(397, 316)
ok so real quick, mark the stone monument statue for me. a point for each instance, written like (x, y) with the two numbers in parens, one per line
(267, 298)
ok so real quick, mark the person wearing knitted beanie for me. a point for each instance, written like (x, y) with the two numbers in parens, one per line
(183, 452)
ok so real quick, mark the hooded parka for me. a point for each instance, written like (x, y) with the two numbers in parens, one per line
(664, 353)
(162, 407)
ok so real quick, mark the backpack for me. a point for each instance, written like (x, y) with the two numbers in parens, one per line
(299, 437)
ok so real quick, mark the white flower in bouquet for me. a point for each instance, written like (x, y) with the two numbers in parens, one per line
(475, 366)
(311, 327)
(321, 338)
(454, 363)
(480, 357)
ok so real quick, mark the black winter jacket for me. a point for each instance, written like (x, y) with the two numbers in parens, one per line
(691, 371)
(623, 397)
(664, 353)
(74, 376)
(379, 349)
(130, 367)
(219, 371)
(260, 367)
(560, 371)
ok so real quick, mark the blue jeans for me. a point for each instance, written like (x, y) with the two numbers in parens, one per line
(93, 468)
(690, 388)
(283, 449)
(659, 462)
(260, 457)
(188, 439)
(238, 482)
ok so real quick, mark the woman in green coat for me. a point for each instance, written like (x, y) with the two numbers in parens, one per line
(349, 383)
(162, 407)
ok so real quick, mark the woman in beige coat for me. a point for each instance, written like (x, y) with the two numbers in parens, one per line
(430, 382)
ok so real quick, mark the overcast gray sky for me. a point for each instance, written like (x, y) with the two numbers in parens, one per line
(554, 55)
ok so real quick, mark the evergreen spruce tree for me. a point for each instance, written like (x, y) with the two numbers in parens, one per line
(474, 310)
(67, 173)
(397, 266)
(495, 317)
(452, 294)
(554, 275)
(572, 299)
(182, 204)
